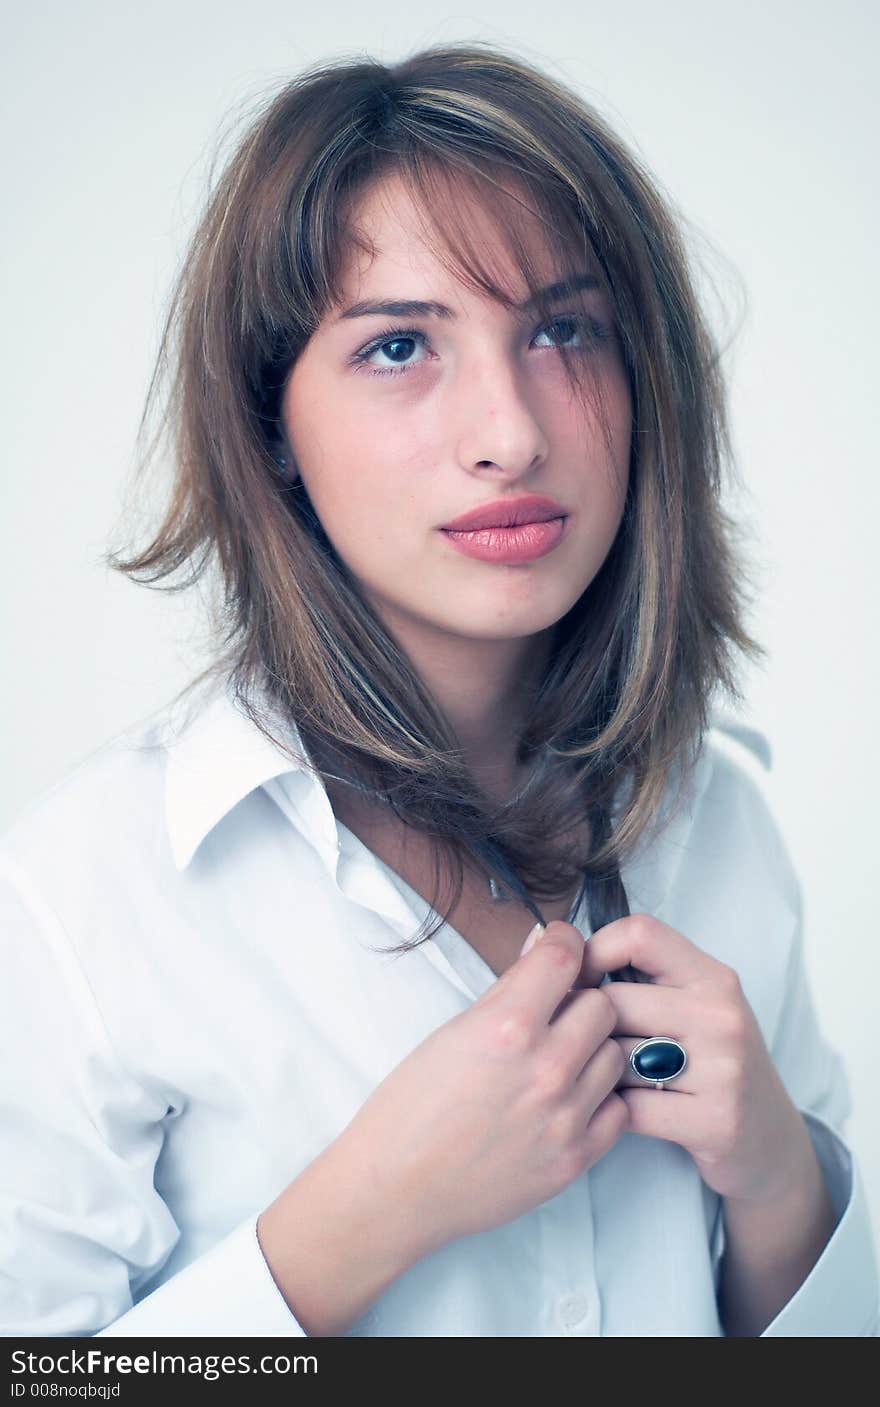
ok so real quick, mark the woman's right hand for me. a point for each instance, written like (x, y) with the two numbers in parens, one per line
(500, 1108)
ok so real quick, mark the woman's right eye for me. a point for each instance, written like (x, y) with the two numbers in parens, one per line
(389, 338)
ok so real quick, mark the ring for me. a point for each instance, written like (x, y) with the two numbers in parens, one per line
(658, 1060)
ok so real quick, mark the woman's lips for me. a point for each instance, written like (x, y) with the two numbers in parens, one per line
(524, 543)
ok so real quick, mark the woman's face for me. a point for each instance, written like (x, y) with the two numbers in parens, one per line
(395, 435)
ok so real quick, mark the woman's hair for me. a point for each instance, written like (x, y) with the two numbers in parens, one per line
(625, 698)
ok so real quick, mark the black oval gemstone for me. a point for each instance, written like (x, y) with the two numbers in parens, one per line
(659, 1061)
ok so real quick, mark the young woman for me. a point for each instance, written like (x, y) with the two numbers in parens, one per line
(285, 1055)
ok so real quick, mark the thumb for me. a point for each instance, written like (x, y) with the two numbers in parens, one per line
(590, 974)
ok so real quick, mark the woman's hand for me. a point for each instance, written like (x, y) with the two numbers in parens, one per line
(729, 1107)
(498, 1109)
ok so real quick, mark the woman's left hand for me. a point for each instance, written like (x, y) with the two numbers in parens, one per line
(729, 1107)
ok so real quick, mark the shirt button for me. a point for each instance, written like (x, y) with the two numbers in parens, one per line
(573, 1308)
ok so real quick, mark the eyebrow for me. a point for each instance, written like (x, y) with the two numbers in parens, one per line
(417, 307)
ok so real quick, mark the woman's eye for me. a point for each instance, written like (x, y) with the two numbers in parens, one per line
(578, 324)
(393, 342)
(393, 338)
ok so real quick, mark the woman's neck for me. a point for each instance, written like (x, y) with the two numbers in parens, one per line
(484, 688)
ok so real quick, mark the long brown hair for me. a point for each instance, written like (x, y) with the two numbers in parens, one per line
(625, 698)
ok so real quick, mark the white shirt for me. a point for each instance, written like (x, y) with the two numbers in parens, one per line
(191, 1011)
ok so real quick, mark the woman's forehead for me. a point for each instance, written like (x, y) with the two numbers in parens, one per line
(392, 235)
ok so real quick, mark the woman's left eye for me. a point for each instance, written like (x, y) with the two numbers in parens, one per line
(396, 335)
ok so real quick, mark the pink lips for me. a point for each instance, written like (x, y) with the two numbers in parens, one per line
(509, 530)
(519, 544)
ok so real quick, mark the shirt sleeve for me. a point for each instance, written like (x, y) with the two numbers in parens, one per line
(83, 1229)
(839, 1297)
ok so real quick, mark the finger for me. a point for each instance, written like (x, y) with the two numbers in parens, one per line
(647, 1008)
(649, 944)
(589, 974)
(678, 1118)
(600, 1077)
(538, 981)
(581, 1029)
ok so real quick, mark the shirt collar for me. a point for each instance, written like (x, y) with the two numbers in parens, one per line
(724, 721)
(216, 756)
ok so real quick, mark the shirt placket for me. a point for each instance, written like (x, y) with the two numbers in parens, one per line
(572, 1306)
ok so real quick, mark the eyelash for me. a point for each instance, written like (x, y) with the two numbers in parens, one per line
(390, 334)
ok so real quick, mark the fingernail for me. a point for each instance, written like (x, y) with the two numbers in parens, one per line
(536, 933)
